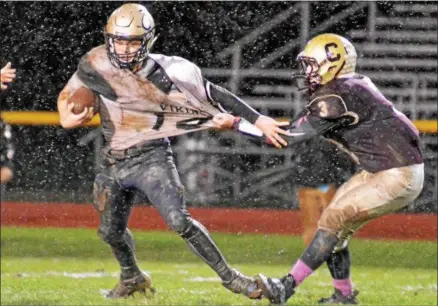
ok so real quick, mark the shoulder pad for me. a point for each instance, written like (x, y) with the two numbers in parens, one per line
(91, 77)
(98, 58)
(178, 67)
(183, 73)
(160, 79)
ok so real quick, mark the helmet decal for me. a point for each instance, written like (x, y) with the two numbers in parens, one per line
(332, 56)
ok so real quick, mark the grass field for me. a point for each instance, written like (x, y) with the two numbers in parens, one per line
(73, 267)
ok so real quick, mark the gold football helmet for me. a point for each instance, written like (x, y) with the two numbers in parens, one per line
(130, 22)
(326, 57)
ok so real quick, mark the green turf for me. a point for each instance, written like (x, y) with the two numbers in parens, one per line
(167, 246)
(182, 284)
(38, 264)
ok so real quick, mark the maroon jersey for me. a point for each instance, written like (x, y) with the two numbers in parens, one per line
(353, 114)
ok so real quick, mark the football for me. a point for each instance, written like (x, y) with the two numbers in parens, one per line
(81, 98)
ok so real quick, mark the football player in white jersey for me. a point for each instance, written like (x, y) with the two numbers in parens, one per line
(143, 99)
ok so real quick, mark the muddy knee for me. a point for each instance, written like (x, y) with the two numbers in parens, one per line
(104, 189)
(178, 221)
(331, 220)
(344, 222)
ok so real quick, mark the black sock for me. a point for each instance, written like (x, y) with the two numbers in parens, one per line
(339, 264)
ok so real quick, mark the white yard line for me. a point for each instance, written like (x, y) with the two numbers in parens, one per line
(76, 275)
(199, 279)
(430, 287)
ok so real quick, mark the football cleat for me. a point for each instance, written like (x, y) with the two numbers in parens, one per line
(242, 284)
(338, 298)
(276, 290)
(127, 287)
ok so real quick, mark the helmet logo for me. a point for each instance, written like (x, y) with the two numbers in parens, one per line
(331, 55)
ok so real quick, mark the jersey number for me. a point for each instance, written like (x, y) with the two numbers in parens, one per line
(323, 110)
(159, 122)
(187, 124)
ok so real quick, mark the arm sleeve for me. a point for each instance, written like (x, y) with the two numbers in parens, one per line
(230, 102)
(308, 126)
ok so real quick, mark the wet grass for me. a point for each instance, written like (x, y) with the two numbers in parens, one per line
(169, 247)
(38, 268)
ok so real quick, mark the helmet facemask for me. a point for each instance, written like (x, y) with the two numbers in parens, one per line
(120, 60)
(308, 78)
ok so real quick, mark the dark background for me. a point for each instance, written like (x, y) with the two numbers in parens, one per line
(45, 40)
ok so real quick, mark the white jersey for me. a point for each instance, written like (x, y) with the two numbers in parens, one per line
(165, 98)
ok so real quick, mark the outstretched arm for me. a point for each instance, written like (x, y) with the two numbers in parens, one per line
(230, 102)
(233, 104)
(323, 114)
(308, 126)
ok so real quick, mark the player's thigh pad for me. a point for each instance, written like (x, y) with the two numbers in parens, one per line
(158, 179)
(381, 193)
